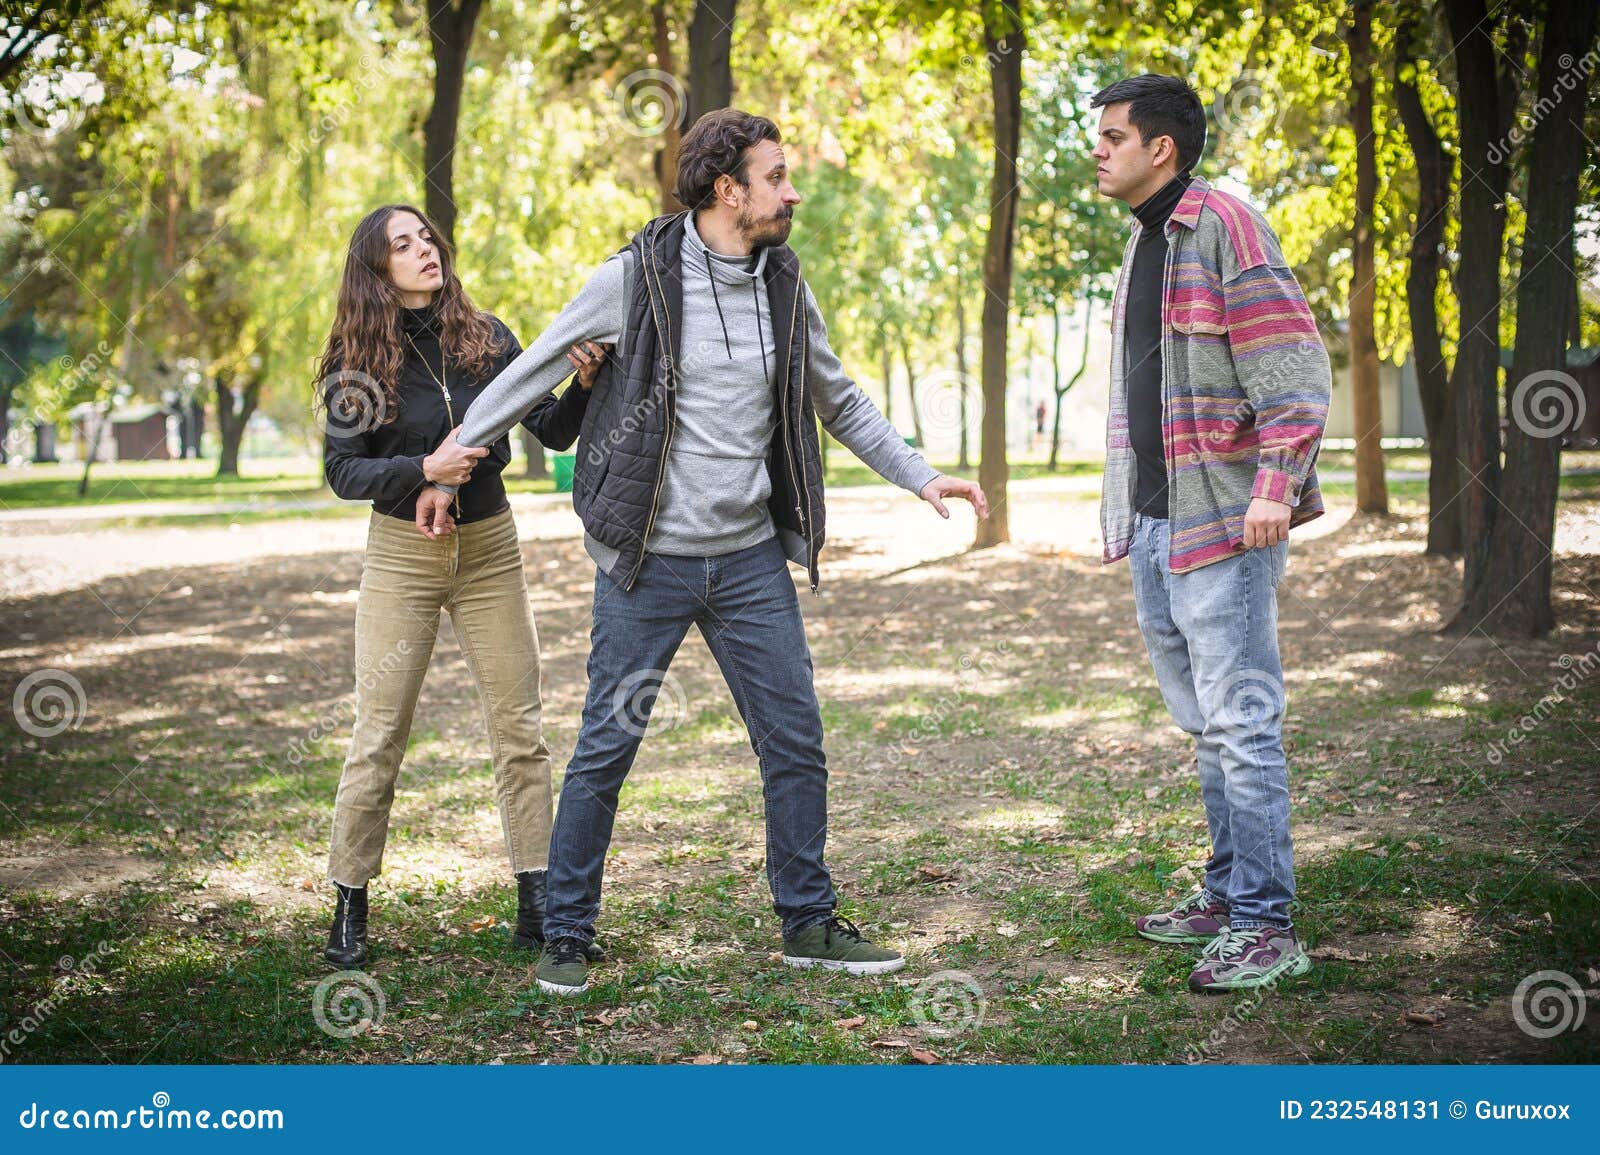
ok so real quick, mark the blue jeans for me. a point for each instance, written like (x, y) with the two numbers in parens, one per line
(1212, 636)
(745, 605)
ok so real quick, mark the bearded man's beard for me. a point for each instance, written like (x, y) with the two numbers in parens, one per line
(766, 231)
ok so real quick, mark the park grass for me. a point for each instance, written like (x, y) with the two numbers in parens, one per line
(1001, 829)
(278, 489)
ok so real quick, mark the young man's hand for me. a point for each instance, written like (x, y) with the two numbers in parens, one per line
(433, 513)
(1266, 522)
(944, 486)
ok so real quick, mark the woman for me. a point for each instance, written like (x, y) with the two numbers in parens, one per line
(406, 358)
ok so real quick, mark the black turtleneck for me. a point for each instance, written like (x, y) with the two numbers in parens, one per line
(1142, 346)
(383, 464)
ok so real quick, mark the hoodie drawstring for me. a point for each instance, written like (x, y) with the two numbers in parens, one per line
(726, 342)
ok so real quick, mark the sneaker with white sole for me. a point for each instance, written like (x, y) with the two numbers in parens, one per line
(1198, 918)
(563, 967)
(1249, 958)
(836, 945)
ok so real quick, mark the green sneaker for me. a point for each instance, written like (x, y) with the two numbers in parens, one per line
(563, 967)
(836, 945)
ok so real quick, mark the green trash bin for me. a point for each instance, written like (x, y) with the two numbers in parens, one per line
(565, 463)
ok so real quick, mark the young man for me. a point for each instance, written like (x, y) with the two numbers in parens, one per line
(1219, 394)
(698, 478)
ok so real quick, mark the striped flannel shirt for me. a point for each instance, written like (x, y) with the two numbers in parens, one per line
(1245, 384)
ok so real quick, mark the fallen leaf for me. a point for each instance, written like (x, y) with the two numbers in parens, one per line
(484, 923)
(927, 1057)
(703, 1060)
(1183, 876)
(890, 1044)
(1333, 953)
(1423, 1018)
(1414, 846)
(1006, 931)
(751, 1025)
(851, 1023)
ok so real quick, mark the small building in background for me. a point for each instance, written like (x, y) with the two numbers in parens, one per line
(138, 432)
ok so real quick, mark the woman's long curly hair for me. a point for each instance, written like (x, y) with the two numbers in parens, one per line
(366, 345)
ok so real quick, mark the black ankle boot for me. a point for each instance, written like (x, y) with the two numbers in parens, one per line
(532, 890)
(347, 939)
(531, 893)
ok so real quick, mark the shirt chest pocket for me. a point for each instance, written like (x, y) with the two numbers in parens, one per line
(1198, 310)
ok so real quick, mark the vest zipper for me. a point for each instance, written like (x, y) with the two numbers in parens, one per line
(666, 445)
(805, 485)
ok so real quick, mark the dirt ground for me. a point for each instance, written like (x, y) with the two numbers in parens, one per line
(1005, 791)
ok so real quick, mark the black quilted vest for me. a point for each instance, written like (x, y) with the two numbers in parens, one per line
(627, 428)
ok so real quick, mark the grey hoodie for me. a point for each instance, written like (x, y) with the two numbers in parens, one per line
(715, 486)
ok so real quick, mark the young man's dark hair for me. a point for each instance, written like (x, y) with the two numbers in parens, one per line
(1161, 106)
(715, 145)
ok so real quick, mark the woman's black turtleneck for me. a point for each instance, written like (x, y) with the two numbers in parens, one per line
(383, 464)
(1142, 346)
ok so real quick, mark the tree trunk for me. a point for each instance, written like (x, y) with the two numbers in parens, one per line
(1003, 42)
(911, 391)
(44, 443)
(666, 159)
(1422, 287)
(450, 24)
(886, 355)
(710, 41)
(1372, 491)
(1077, 375)
(1055, 383)
(233, 417)
(1513, 598)
(197, 428)
(535, 467)
(93, 454)
(964, 460)
(1485, 98)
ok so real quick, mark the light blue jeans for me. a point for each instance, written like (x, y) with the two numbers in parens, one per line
(1212, 636)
